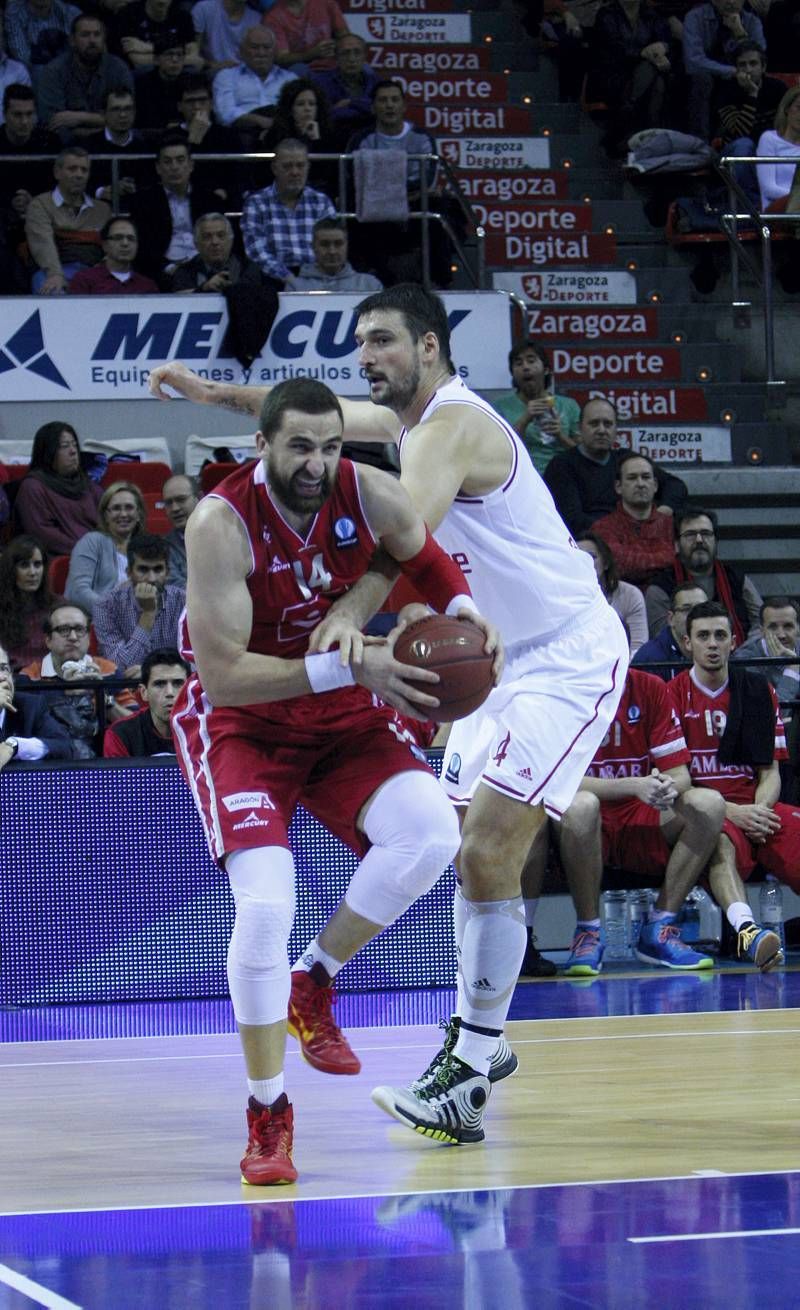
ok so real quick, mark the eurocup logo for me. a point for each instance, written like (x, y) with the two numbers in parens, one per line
(25, 349)
(449, 150)
(532, 285)
(634, 713)
(376, 26)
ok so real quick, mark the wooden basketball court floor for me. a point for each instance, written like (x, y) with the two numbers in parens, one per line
(647, 1153)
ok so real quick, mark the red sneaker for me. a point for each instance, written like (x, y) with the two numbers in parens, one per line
(311, 1021)
(268, 1158)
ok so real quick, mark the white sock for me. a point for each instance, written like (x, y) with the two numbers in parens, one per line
(266, 1090)
(738, 914)
(530, 910)
(460, 916)
(314, 954)
(491, 956)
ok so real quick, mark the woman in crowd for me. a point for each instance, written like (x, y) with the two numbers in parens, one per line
(25, 600)
(546, 422)
(99, 560)
(625, 599)
(775, 180)
(56, 501)
(302, 113)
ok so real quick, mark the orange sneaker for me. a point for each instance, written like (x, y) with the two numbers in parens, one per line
(268, 1158)
(311, 1021)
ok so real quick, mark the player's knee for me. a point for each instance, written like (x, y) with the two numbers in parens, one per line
(262, 882)
(703, 807)
(582, 818)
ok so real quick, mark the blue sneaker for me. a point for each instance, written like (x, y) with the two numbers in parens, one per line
(586, 956)
(760, 946)
(660, 943)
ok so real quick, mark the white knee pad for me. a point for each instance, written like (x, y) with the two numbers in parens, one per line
(414, 832)
(262, 882)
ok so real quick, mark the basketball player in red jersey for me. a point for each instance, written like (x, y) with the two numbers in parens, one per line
(758, 829)
(263, 725)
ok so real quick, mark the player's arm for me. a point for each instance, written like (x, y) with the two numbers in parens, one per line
(659, 789)
(759, 820)
(363, 421)
(440, 456)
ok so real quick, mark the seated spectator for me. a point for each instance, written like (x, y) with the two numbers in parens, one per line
(25, 599)
(632, 67)
(278, 222)
(712, 31)
(150, 732)
(115, 276)
(99, 561)
(301, 113)
(142, 613)
(543, 420)
(583, 480)
(71, 91)
(670, 644)
(118, 137)
(21, 136)
(696, 561)
(220, 26)
(67, 631)
(208, 137)
(626, 600)
(28, 730)
(775, 180)
(305, 31)
(62, 226)
(146, 24)
(12, 73)
(56, 501)
(215, 268)
(180, 495)
(747, 107)
(778, 638)
(38, 30)
(168, 212)
(245, 96)
(159, 90)
(639, 536)
(733, 729)
(330, 270)
(636, 809)
(349, 88)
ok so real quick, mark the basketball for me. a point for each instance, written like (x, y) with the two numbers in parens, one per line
(453, 648)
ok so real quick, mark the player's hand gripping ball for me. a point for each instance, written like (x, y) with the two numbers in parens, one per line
(453, 648)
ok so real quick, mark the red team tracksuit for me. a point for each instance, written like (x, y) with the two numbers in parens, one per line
(249, 766)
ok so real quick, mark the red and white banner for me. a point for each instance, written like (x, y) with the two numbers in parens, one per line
(614, 363)
(577, 323)
(444, 86)
(515, 186)
(396, 7)
(582, 248)
(680, 444)
(684, 404)
(533, 218)
(413, 29)
(488, 152)
(390, 60)
(447, 116)
(562, 286)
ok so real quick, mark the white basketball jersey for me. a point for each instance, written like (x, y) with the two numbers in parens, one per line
(524, 569)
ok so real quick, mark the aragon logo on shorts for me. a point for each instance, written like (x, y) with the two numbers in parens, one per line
(247, 800)
(252, 821)
(345, 533)
(453, 768)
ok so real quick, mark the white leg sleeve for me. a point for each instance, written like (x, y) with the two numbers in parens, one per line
(262, 882)
(414, 833)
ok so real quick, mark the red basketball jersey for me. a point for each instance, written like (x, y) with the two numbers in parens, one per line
(703, 715)
(645, 733)
(294, 580)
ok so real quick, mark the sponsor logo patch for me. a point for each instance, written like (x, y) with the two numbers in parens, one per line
(247, 800)
(453, 768)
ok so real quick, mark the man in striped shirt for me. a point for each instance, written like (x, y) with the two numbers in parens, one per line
(141, 614)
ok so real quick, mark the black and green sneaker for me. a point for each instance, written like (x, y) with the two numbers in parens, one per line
(504, 1062)
(449, 1107)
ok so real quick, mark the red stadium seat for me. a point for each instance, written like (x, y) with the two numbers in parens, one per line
(57, 574)
(211, 474)
(150, 475)
(157, 520)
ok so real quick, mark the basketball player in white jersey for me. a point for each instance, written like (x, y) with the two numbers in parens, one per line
(523, 754)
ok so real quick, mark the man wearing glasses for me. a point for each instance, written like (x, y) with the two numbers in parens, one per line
(67, 639)
(28, 730)
(696, 561)
(115, 274)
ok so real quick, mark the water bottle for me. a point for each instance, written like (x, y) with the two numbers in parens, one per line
(639, 902)
(615, 924)
(689, 918)
(710, 918)
(771, 908)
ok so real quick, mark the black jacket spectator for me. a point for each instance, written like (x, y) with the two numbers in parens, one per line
(33, 719)
(149, 209)
(584, 489)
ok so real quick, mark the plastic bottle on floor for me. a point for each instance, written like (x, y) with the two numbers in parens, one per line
(639, 901)
(615, 924)
(771, 908)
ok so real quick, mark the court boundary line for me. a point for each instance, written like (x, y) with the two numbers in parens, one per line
(713, 1237)
(20, 1283)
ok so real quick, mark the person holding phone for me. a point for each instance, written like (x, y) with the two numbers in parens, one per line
(545, 422)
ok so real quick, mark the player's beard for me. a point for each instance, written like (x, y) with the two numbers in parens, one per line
(285, 490)
(398, 395)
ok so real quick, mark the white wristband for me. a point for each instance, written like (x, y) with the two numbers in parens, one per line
(326, 673)
(461, 603)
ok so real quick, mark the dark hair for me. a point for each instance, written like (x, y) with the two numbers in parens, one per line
(119, 90)
(117, 218)
(166, 655)
(422, 312)
(71, 152)
(45, 445)
(390, 82)
(707, 609)
(193, 82)
(173, 139)
(164, 41)
(610, 573)
(17, 91)
(304, 394)
(626, 456)
(691, 511)
(778, 603)
(528, 343)
(64, 605)
(87, 18)
(17, 606)
(687, 585)
(329, 225)
(749, 47)
(148, 547)
(289, 93)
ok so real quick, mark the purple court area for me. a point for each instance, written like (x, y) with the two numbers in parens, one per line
(703, 1241)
